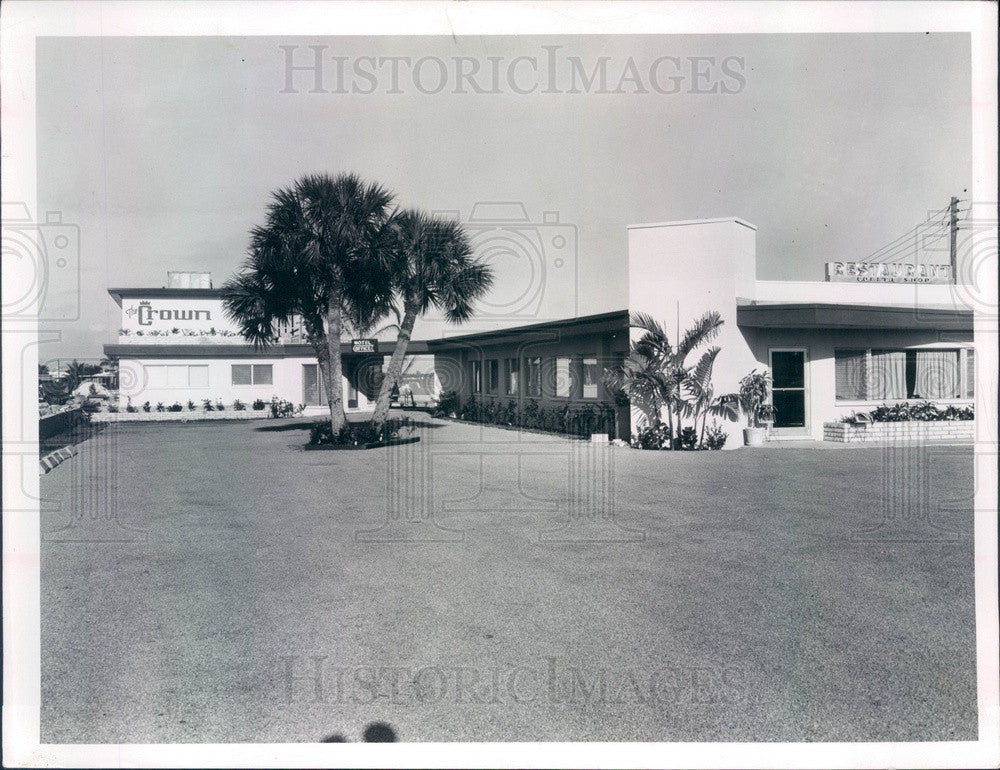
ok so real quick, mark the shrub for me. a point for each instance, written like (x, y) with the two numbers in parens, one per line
(146, 407)
(219, 406)
(113, 408)
(176, 407)
(925, 411)
(715, 436)
(90, 406)
(258, 405)
(354, 434)
(160, 407)
(206, 404)
(652, 437)
(689, 438)
(282, 408)
(129, 407)
(239, 406)
(449, 404)
(191, 406)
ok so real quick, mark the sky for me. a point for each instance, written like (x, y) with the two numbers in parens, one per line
(161, 153)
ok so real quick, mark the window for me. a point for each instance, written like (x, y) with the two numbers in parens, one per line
(590, 378)
(493, 376)
(887, 375)
(564, 383)
(512, 373)
(253, 374)
(476, 376)
(177, 376)
(970, 373)
(851, 367)
(533, 375)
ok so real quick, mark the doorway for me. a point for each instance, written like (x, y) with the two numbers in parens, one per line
(790, 390)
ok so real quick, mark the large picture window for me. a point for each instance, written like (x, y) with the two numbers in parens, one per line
(533, 375)
(864, 374)
(590, 376)
(476, 376)
(177, 376)
(253, 374)
(564, 382)
(513, 370)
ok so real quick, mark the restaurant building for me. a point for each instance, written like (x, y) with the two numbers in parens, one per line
(865, 335)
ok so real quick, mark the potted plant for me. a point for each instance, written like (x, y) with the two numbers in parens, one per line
(754, 398)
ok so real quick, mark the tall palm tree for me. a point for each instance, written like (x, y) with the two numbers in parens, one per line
(320, 255)
(432, 266)
(654, 373)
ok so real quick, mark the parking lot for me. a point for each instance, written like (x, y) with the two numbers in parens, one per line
(214, 582)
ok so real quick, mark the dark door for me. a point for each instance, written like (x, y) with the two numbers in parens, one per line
(788, 368)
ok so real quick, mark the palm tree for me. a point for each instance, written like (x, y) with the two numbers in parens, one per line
(320, 256)
(655, 373)
(432, 266)
(703, 401)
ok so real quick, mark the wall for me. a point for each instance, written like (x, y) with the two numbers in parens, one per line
(453, 367)
(287, 381)
(820, 344)
(680, 270)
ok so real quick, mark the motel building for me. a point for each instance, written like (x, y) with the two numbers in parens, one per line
(861, 335)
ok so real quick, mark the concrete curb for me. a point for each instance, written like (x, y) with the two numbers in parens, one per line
(53, 459)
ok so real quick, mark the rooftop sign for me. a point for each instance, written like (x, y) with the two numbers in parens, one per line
(881, 272)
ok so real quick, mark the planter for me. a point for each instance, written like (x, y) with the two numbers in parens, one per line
(754, 436)
(949, 431)
(352, 447)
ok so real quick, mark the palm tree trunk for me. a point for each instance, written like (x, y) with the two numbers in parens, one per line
(333, 373)
(395, 367)
(704, 420)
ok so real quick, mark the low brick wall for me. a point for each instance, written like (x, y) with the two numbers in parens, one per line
(60, 422)
(185, 416)
(957, 431)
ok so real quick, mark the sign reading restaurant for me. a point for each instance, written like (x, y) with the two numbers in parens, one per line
(881, 272)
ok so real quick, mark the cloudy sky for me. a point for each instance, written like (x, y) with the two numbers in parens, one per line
(163, 151)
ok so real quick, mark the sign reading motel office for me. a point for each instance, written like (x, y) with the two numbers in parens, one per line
(879, 272)
(364, 346)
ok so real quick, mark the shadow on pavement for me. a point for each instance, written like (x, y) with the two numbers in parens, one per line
(376, 732)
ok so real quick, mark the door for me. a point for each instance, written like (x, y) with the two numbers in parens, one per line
(312, 392)
(789, 391)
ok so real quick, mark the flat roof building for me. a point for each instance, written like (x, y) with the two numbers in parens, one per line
(865, 335)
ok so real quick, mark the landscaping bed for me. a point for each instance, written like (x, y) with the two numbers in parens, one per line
(361, 435)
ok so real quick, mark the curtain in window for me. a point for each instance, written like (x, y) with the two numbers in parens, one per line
(888, 375)
(937, 374)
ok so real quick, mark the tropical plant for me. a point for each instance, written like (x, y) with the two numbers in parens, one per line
(146, 407)
(754, 396)
(715, 437)
(239, 406)
(431, 265)
(321, 256)
(448, 404)
(655, 374)
(160, 407)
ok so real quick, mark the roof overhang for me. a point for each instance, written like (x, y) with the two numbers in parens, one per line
(830, 316)
(600, 323)
(415, 347)
(163, 293)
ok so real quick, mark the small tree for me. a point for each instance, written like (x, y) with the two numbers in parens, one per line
(754, 398)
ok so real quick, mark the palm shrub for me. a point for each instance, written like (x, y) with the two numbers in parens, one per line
(754, 394)
(655, 375)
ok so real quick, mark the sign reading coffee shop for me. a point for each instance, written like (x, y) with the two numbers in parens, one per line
(364, 346)
(881, 272)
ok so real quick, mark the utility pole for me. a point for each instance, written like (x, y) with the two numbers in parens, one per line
(954, 239)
